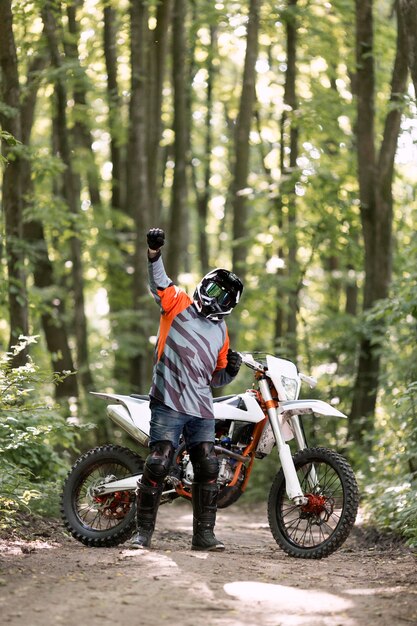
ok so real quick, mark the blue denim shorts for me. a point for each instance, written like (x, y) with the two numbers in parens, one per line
(168, 425)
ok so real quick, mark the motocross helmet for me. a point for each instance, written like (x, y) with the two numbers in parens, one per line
(217, 294)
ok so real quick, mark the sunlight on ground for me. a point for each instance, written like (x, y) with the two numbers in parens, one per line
(294, 607)
(162, 561)
(19, 546)
(374, 592)
(165, 566)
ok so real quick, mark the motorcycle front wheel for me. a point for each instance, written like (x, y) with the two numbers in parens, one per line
(94, 520)
(319, 527)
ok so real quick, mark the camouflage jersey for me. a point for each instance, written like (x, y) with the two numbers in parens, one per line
(191, 351)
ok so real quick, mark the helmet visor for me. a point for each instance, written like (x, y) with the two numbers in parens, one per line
(214, 290)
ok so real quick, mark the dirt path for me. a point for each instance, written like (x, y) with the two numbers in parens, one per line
(56, 581)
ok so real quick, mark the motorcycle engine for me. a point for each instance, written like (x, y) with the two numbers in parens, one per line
(230, 435)
(226, 471)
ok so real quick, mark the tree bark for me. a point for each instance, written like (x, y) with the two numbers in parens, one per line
(376, 204)
(71, 191)
(138, 184)
(408, 12)
(290, 99)
(242, 132)
(52, 318)
(176, 241)
(119, 286)
(203, 197)
(157, 66)
(114, 104)
(81, 130)
(12, 181)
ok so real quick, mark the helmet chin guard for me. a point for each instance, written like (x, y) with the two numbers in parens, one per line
(217, 294)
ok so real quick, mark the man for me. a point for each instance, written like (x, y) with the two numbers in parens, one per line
(192, 355)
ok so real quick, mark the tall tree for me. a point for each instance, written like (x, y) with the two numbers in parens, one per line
(408, 11)
(202, 188)
(12, 178)
(114, 101)
(82, 139)
(158, 49)
(53, 314)
(242, 151)
(71, 191)
(147, 55)
(375, 172)
(137, 179)
(289, 146)
(180, 125)
(119, 234)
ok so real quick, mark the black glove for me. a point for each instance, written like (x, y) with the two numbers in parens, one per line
(155, 238)
(234, 361)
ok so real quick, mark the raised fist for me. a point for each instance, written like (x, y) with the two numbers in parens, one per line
(155, 238)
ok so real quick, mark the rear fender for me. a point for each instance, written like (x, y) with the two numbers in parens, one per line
(133, 410)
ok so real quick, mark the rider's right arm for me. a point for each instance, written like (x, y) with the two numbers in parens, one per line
(170, 298)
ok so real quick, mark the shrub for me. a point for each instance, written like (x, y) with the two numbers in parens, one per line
(34, 436)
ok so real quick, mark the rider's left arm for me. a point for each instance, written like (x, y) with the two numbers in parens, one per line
(221, 376)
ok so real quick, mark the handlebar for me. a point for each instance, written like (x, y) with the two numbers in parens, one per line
(250, 362)
(310, 380)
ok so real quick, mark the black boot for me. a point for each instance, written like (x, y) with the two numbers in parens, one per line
(148, 498)
(204, 517)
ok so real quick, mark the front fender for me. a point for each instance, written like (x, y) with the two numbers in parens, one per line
(302, 407)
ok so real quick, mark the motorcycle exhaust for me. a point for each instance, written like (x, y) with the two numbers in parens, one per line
(118, 415)
(233, 455)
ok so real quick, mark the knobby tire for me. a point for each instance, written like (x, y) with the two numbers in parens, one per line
(80, 514)
(309, 532)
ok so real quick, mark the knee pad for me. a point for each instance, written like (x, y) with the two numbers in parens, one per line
(205, 462)
(158, 462)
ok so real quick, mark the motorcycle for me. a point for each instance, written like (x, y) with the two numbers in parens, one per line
(313, 499)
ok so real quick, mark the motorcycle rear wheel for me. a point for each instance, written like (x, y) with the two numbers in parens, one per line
(100, 521)
(320, 527)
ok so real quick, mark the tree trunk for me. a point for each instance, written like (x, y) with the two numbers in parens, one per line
(375, 191)
(118, 281)
(408, 12)
(137, 184)
(176, 239)
(351, 307)
(157, 62)
(81, 131)
(12, 181)
(242, 132)
(279, 325)
(290, 99)
(203, 196)
(114, 104)
(53, 317)
(71, 193)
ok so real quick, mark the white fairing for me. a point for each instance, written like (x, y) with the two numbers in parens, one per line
(226, 411)
(277, 368)
(137, 410)
(302, 407)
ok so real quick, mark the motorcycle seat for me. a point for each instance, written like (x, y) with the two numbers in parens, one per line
(223, 398)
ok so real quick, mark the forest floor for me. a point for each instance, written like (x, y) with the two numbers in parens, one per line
(51, 579)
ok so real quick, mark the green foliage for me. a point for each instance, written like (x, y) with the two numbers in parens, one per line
(390, 475)
(35, 438)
